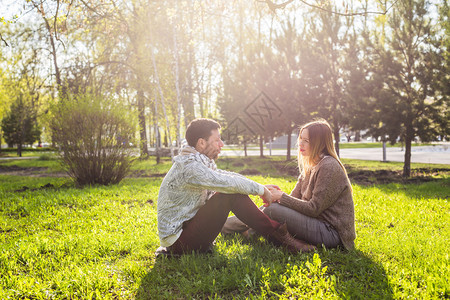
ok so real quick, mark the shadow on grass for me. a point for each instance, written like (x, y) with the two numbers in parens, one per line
(263, 271)
(358, 275)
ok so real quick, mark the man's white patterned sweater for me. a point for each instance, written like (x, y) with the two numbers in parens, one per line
(190, 182)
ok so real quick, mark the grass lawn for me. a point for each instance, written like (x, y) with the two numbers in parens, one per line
(62, 242)
(26, 152)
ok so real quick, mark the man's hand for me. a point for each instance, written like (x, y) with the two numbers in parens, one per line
(272, 186)
(267, 197)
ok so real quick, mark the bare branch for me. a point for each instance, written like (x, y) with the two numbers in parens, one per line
(273, 6)
(56, 20)
(3, 40)
(114, 62)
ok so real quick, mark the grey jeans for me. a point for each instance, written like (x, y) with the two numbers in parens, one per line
(310, 230)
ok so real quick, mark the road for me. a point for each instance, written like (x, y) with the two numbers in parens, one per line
(439, 154)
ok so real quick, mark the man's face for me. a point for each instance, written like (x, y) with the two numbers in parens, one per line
(213, 145)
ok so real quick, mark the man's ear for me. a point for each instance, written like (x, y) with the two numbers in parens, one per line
(201, 144)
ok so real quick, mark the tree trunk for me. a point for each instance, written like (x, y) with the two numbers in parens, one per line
(188, 101)
(51, 38)
(261, 146)
(357, 136)
(157, 144)
(19, 149)
(162, 103)
(157, 135)
(245, 148)
(407, 163)
(142, 127)
(177, 82)
(288, 153)
(336, 139)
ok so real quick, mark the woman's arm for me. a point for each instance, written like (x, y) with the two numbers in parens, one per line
(297, 191)
(329, 182)
(277, 192)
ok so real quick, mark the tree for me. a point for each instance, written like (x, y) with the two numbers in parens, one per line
(443, 82)
(407, 100)
(326, 71)
(19, 126)
(22, 81)
(286, 62)
(53, 14)
(5, 100)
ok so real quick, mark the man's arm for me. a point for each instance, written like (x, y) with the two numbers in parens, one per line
(230, 173)
(198, 175)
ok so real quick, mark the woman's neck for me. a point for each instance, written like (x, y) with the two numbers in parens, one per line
(317, 159)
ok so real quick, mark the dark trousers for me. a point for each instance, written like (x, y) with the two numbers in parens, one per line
(200, 231)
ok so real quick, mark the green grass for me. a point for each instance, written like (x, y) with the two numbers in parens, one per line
(98, 242)
(374, 165)
(26, 152)
(51, 163)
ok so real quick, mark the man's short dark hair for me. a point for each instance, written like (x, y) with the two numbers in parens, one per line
(200, 128)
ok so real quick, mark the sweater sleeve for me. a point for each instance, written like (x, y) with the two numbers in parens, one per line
(198, 175)
(297, 191)
(230, 173)
(327, 188)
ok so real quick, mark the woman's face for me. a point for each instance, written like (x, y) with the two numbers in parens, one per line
(305, 149)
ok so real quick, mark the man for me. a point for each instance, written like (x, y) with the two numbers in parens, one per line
(195, 198)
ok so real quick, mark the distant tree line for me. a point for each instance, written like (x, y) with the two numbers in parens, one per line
(172, 61)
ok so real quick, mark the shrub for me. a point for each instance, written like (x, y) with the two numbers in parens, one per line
(45, 156)
(94, 135)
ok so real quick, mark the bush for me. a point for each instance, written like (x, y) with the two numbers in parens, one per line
(45, 156)
(94, 136)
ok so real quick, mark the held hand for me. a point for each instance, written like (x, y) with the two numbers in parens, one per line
(272, 186)
(276, 194)
(267, 197)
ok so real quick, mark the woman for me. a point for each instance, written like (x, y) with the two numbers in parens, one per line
(320, 208)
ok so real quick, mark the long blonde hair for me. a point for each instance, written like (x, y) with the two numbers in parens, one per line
(321, 144)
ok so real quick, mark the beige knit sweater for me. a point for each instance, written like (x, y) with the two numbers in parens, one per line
(325, 194)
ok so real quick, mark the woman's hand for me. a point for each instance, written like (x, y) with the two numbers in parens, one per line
(276, 192)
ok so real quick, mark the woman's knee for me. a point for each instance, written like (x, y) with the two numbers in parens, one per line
(272, 210)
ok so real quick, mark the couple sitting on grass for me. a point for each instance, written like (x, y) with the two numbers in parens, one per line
(196, 197)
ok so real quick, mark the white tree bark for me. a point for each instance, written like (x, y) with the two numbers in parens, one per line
(177, 79)
(161, 95)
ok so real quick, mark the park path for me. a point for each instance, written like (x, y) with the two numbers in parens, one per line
(439, 154)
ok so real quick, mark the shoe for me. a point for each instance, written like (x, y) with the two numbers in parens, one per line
(248, 234)
(164, 252)
(293, 245)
